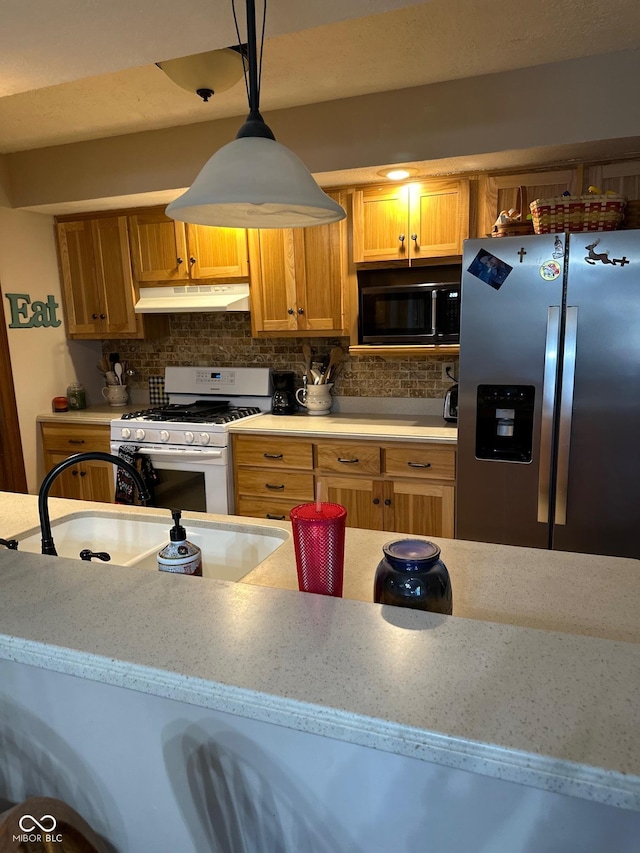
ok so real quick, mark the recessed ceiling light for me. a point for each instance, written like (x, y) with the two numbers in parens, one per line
(398, 174)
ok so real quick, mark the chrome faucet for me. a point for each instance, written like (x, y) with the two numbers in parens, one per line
(43, 495)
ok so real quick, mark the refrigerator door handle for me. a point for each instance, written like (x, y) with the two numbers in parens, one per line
(548, 393)
(566, 414)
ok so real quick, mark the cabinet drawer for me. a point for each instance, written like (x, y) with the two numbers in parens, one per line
(277, 510)
(430, 461)
(272, 452)
(349, 458)
(75, 438)
(275, 484)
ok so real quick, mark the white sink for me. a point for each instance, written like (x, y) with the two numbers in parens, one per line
(229, 551)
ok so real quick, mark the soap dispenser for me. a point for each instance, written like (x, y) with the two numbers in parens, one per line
(180, 555)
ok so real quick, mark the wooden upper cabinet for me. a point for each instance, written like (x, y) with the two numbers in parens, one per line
(217, 252)
(411, 222)
(158, 247)
(166, 250)
(97, 285)
(297, 279)
(502, 192)
(79, 278)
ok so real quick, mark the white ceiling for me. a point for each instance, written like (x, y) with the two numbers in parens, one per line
(84, 69)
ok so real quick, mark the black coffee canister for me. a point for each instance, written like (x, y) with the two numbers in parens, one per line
(411, 574)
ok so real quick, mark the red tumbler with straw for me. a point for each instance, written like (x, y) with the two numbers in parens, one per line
(318, 540)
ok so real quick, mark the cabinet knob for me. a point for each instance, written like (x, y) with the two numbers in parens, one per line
(291, 311)
(401, 238)
(74, 473)
(387, 502)
(376, 501)
(83, 473)
(103, 316)
(192, 260)
(300, 310)
(94, 316)
(414, 237)
(179, 261)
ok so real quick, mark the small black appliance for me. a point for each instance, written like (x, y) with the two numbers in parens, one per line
(283, 401)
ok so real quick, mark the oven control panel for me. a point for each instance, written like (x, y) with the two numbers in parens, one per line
(246, 381)
(148, 433)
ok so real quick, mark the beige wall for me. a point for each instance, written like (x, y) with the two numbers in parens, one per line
(552, 105)
(42, 360)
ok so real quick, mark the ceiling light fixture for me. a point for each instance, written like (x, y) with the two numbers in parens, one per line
(206, 74)
(254, 182)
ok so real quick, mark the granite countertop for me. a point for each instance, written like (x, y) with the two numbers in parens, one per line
(335, 425)
(534, 679)
(91, 415)
(353, 425)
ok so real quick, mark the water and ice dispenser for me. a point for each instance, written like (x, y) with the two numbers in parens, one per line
(504, 422)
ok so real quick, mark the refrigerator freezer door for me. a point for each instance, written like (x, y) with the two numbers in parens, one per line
(509, 338)
(598, 493)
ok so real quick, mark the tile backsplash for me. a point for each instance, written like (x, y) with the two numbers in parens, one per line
(224, 340)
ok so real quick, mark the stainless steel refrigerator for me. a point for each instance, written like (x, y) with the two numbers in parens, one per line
(549, 405)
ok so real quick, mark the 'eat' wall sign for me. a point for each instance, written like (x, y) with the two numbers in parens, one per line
(26, 314)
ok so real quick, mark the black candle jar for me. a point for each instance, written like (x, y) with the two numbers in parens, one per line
(411, 574)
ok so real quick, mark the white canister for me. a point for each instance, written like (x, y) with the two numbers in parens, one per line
(316, 398)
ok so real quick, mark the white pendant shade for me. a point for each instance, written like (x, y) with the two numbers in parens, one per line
(254, 182)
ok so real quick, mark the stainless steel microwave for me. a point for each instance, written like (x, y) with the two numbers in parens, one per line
(424, 313)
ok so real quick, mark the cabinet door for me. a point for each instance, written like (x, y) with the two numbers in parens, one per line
(438, 218)
(113, 270)
(319, 280)
(79, 280)
(362, 498)
(419, 508)
(217, 252)
(273, 281)
(68, 484)
(381, 224)
(97, 481)
(158, 247)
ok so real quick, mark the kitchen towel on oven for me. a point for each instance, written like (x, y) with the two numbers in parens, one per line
(126, 492)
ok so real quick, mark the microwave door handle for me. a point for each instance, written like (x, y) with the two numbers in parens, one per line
(434, 308)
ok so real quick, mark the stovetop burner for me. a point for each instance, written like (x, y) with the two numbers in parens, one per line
(200, 412)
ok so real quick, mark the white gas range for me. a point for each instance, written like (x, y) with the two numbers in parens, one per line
(187, 440)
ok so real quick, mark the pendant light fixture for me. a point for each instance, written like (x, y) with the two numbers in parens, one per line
(254, 182)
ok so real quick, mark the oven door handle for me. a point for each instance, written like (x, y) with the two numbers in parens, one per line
(182, 454)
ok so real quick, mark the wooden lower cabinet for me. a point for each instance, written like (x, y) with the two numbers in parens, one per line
(89, 481)
(403, 488)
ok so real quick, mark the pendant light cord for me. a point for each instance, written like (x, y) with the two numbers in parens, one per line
(253, 81)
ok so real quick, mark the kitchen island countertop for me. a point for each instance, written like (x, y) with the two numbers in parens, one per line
(533, 680)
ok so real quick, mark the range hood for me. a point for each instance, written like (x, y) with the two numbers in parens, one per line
(188, 298)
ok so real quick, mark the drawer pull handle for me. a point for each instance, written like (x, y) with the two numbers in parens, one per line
(76, 441)
(272, 455)
(348, 461)
(419, 464)
(271, 486)
(275, 517)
